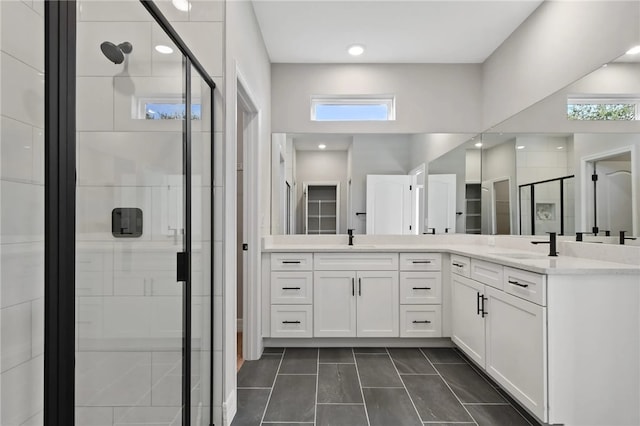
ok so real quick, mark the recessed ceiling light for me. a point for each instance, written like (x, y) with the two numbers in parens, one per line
(322, 146)
(165, 50)
(181, 5)
(559, 147)
(634, 50)
(605, 65)
(478, 144)
(520, 147)
(356, 50)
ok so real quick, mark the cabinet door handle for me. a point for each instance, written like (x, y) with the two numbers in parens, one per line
(484, 313)
(422, 322)
(518, 284)
(478, 303)
(353, 286)
(422, 288)
(291, 261)
(459, 265)
(291, 322)
(359, 286)
(291, 288)
(421, 261)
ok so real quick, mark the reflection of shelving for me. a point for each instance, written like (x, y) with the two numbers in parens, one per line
(473, 202)
(322, 200)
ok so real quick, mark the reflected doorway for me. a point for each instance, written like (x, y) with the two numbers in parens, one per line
(502, 207)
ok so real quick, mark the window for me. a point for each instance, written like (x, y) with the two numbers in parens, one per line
(353, 108)
(603, 109)
(167, 109)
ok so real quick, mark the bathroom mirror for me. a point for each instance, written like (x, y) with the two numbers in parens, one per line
(550, 153)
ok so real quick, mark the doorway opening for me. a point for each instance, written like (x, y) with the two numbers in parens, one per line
(502, 207)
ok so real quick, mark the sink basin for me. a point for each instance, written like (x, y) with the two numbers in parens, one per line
(520, 255)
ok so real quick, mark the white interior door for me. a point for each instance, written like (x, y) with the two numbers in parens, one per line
(441, 204)
(614, 198)
(389, 204)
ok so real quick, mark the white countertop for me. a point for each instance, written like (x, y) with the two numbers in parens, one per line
(534, 261)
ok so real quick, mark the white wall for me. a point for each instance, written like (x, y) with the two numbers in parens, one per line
(558, 44)
(429, 97)
(375, 155)
(246, 59)
(21, 213)
(314, 166)
(426, 147)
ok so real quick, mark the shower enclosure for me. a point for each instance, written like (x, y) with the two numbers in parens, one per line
(106, 130)
(143, 243)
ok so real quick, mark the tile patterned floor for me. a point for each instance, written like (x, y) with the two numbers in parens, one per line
(370, 387)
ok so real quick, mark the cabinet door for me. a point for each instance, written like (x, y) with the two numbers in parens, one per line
(378, 304)
(467, 323)
(334, 304)
(516, 348)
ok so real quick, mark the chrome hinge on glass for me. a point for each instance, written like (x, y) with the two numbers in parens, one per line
(183, 266)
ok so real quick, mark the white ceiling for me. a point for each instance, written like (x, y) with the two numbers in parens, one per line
(416, 31)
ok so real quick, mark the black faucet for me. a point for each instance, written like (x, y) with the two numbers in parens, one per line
(580, 234)
(622, 237)
(350, 232)
(595, 230)
(431, 231)
(551, 242)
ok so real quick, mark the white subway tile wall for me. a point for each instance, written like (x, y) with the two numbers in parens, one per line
(21, 213)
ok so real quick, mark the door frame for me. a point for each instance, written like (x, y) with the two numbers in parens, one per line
(251, 336)
(586, 196)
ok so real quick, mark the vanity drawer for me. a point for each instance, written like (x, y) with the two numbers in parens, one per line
(487, 273)
(356, 261)
(291, 261)
(294, 288)
(461, 265)
(291, 321)
(527, 285)
(420, 288)
(420, 321)
(420, 261)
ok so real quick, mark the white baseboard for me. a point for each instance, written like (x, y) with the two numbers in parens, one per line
(239, 325)
(229, 408)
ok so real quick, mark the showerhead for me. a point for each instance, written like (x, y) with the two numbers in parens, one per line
(116, 53)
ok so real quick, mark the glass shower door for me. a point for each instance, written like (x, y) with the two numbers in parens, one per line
(130, 219)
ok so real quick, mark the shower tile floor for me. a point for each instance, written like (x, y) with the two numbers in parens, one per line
(370, 387)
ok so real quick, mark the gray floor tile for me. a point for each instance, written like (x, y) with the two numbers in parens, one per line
(411, 361)
(300, 361)
(467, 384)
(377, 371)
(341, 415)
(258, 374)
(338, 383)
(492, 415)
(273, 350)
(388, 407)
(251, 405)
(448, 424)
(370, 350)
(287, 424)
(293, 399)
(443, 355)
(343, 355)
(434, 401)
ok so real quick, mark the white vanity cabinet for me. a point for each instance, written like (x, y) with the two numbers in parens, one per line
(291, 294)
(420, 295)
(351, 301)
(504, 334)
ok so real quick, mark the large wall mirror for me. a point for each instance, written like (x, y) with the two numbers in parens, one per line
(531, 174)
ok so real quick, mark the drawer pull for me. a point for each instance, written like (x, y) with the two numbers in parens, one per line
(422, 322)
(459, 265)
(291, 288)
(422, 288)
(291, 322)
(353, 286)
(291, 261)
(421, 261)
(518, 284)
